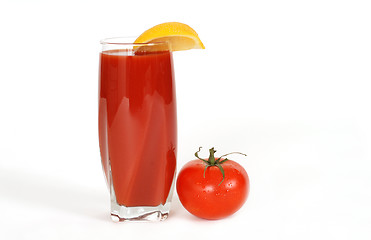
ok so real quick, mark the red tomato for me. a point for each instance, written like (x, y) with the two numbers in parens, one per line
(204, 191)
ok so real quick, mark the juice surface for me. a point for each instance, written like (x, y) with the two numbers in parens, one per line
(137, 125)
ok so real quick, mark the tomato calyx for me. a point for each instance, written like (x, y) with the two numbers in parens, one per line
(211, 161)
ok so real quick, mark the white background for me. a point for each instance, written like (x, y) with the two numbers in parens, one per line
(287, 82)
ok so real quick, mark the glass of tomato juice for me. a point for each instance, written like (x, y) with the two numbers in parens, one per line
(137, 128)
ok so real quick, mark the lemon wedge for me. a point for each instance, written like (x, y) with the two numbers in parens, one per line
(179, 36)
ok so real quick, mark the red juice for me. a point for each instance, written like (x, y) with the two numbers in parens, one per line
(137, 125)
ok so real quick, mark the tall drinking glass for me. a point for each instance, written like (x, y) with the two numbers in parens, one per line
(137, 128)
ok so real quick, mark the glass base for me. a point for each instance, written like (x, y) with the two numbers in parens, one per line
(121, 213)
(156, 213)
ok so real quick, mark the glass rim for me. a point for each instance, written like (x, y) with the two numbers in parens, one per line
(128, 41)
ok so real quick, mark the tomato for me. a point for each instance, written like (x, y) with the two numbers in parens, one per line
(213, 188)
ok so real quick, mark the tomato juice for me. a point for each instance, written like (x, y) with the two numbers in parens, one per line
(137, 125)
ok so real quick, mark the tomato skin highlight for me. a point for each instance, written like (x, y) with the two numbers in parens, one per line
(204, 197)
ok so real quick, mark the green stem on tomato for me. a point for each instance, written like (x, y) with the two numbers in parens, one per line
(196, 154)
(211, 161)
(212, 157)
(227, 155)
